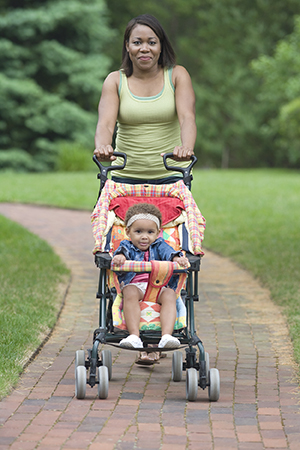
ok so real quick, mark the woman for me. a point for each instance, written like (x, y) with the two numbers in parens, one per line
(153, 102)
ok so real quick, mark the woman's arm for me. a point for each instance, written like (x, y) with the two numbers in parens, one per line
(185, 106)
(107, 116)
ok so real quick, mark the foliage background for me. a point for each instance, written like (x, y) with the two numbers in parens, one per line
(243, 57)
(52, 66)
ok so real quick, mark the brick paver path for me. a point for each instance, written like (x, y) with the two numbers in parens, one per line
(242, 330)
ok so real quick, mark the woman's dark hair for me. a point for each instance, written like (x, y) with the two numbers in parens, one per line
(167, 57)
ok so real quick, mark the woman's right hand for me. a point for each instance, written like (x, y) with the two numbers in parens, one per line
(104, 153)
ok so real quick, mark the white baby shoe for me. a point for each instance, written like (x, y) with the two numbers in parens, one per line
(168, 341)
(132, 341)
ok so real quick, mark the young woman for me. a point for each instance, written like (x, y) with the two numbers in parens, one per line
(153, 103)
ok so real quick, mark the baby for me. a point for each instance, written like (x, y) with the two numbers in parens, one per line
(143, 224)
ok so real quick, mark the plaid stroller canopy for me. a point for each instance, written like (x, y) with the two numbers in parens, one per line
(191, 223)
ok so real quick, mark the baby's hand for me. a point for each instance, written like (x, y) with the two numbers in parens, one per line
(182, 261)
(118, 260)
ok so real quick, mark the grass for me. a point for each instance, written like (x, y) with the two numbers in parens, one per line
(74, 190)
(253, 217)
(28, 303)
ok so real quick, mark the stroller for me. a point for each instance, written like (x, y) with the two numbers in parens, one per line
(183, 228)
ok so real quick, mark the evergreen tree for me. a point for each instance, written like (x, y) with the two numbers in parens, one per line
(52, 65)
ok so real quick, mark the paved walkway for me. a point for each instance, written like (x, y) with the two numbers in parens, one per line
(242, 330)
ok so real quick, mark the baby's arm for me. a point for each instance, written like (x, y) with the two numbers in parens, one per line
(119, 259)
(182, 261)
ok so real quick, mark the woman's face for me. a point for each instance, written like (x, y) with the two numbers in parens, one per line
(143, 48)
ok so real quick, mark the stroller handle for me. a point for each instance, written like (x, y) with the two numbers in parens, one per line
(102, 176)
(106, 169)
(186, 171)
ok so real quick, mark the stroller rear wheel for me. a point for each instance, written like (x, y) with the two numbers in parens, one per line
(106, 359)
(177, 366)
(206, 365)
(79, 358)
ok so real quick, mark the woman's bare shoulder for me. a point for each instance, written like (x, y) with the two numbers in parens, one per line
(112, 80)
(180, 71)
(180, 74)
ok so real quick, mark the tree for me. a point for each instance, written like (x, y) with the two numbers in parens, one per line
(281, 90)
(216, 41)
(52, 65)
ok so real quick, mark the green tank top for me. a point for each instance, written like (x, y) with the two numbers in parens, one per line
(147, 127)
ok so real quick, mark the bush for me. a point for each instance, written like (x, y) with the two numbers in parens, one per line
(19, 161)
(72, 157)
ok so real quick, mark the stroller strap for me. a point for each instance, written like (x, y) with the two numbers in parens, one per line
(160, 275)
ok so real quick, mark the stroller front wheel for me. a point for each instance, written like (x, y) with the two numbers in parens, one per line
(103, 382)
(214, 385)
(191, 384)
(80, 382)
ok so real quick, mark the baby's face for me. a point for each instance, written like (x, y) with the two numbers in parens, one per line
(143, 233)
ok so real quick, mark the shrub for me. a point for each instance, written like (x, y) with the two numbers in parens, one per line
(72, 157)
(19, 161)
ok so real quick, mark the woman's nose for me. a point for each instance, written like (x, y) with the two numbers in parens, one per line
(145, 47)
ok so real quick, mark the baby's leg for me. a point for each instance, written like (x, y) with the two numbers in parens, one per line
(132, 295)
(167, 300)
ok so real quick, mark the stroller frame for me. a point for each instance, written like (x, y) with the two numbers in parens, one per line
(95, 371)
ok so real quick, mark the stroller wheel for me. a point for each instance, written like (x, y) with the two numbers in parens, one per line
(177, 366)
(206, 365)
(191, 384)
(80, 382)
(214, 385)
(103, 382)
(79, 359)
(106, 359)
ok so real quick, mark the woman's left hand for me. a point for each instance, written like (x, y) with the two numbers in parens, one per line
(182, 153)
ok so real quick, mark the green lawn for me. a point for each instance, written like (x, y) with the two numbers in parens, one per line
(63, 189)
(29, 303)
(253, 217)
